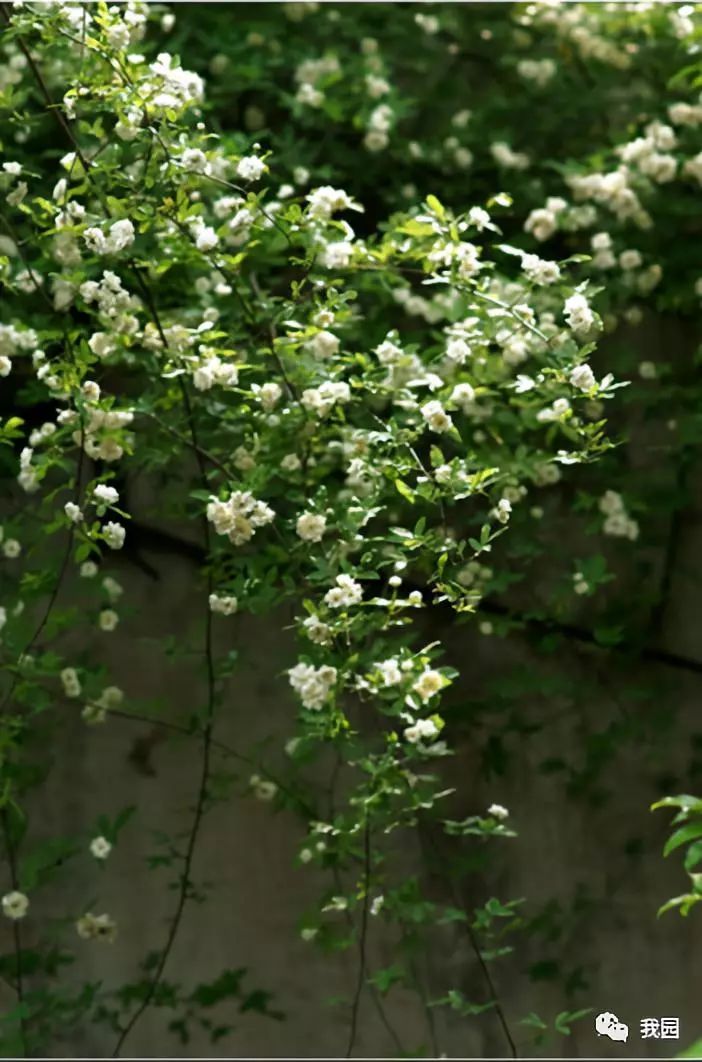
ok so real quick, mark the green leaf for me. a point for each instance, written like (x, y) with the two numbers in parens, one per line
(682, 836)
(436, 207)
(403, 489)
(693, 1051)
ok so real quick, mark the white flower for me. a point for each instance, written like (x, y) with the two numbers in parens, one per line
(206, 239)
(457, 350)
(118, 36)
(105, 495)
(422, 730)
(541, 223)
(317, 631)
(539, 270)
(102, 344)
(95, 240)
(250, 168)
(96, 927)
(14, 905)
(377, 905)
(308, 94)
(503, 510)
(582, 377)
(11, 548)
(88, 569)
(647, 370)
(325, 201)
(428, 684)
(497, 811)
(70, 682)
(262, 788)
(73, 512)
(336, 255)
(630, 260)
(239, 516)
(611, 502)
(100, 847)
(121, 235)
(389, 671)
(346, 592)
(321, 400)
(108, 619)
(436, 417)
(478, 217)
(464, 396)
(269, 395)
(5, 365)
(313, 685)
(310, 527)
(323, 345)
(114, 534)
(225, 605)
(578, 313)
(195, 160)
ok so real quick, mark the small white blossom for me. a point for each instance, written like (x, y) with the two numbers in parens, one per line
(497, 811)
(436, 417)
(105, 495)
(108, 619)
(100, 847)
(73, 512)
(422, 730)
(70, 682)
(224, 604)
(96, 927)
(114, 534)
(582, 377)
(428, 684)
(578, 313)
(313, 685)
(14, 905)
(346, 592)
(250, 168)
(310, 527)
(11, 548)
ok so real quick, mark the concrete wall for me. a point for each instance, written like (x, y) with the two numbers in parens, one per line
(598, 863)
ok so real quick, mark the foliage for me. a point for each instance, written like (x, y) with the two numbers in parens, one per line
(369, 397)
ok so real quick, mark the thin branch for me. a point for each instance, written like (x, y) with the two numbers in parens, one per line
(16, 929)
(362, 939)
(59, 579)
(459, 902)
(207, 732)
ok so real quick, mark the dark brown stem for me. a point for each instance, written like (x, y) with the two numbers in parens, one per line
(362, 939)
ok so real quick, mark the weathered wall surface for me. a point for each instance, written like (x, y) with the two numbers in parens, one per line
(592, 870)
(636, 966)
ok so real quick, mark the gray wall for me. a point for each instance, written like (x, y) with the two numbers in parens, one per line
(569, 851)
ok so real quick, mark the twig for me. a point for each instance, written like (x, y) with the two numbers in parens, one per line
(59, 580)
(484, 969)
(16, 929)
(363, 935)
